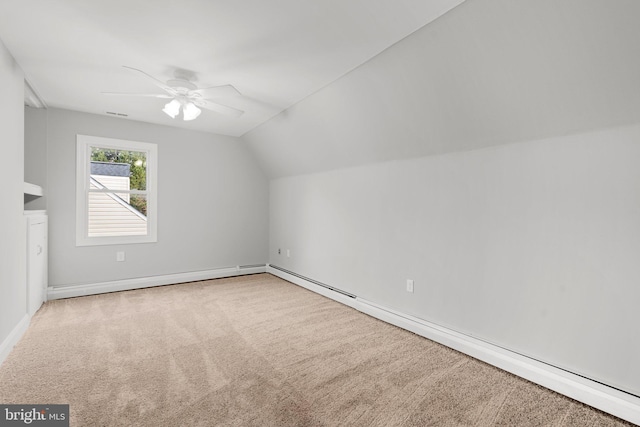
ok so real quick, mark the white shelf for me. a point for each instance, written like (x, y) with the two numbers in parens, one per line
(32, 189)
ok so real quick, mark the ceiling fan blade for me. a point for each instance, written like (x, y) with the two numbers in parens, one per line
(162, 85)
(219, 108)
(218, 91)
(230, 93)
(150, 95)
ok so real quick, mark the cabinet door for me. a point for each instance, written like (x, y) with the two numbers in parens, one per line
(36, 265)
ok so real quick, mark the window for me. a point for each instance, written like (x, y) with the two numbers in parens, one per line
(116, 191)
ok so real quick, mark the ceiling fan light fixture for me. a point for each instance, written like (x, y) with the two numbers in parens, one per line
(172, 109)
(190, 111)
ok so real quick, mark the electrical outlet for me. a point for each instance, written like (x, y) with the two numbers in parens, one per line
(279, 251)
(409, 285)
(120, 256)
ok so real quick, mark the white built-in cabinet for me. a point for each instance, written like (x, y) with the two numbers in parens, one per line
(36, 235)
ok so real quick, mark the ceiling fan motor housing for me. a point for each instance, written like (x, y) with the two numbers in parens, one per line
(182, 86)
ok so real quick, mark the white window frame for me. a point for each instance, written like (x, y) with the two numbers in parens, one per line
(83, 170)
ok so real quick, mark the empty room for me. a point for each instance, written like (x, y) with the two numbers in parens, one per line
(320, 213)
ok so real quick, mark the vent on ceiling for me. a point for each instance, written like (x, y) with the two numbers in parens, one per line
(117, 114)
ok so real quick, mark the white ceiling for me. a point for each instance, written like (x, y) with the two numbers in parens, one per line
(276, 52)
(489, 72)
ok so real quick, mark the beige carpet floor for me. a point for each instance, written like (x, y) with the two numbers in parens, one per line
(259, 351)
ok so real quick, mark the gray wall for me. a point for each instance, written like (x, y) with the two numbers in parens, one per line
(35, 154)
(485, 157)
(13, 302)
(531, 246)
(212, 203)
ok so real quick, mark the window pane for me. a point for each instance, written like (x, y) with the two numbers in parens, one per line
(117, 214)
(118, 169)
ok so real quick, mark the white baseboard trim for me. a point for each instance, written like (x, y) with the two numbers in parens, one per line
(14, 336)
(57, 292)
(592, 393)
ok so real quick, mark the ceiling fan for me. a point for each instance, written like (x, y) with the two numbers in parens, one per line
(185, 95)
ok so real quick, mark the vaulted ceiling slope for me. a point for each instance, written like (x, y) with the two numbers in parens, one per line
(488, 72)
(275, 52)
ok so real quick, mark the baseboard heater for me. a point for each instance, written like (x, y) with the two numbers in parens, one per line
(601, 396)
(315, 282)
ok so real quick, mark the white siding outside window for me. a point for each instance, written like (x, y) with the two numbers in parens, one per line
(110, 213)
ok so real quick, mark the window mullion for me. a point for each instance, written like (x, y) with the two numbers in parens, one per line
(114, 190)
